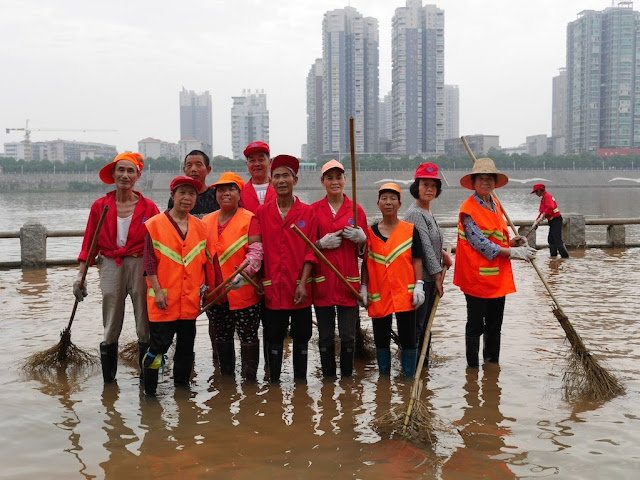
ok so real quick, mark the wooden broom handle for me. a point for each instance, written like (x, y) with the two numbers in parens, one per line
(353, 170)
(326, 261)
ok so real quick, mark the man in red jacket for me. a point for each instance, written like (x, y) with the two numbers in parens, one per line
(287, 264)
(121, 244)
(258, 190)
(549, 210)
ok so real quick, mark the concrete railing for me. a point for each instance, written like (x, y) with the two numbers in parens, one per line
(33, 238)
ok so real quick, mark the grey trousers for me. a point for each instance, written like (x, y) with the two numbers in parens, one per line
(116, 284)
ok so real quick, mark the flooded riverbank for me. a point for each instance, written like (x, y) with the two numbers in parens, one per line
(507, 421)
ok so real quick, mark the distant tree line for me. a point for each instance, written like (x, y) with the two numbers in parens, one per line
(221, 163)
(582, 161)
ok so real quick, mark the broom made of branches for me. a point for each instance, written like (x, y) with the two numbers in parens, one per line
(586, 377)
(416, 423)
(65, 353)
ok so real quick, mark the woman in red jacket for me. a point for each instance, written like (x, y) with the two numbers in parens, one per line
(340, 241)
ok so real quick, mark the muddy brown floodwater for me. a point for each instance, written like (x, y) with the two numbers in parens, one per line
(506, 421)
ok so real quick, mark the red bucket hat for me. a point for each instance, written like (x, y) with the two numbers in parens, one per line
(184, 180)
(288, 161)
(427, 170)
(256, 147)
(106, 172)
(538, 186)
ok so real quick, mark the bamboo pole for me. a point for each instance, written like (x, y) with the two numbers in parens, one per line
(326, 261)
(353, 170)
(415, 389)
(215, 293)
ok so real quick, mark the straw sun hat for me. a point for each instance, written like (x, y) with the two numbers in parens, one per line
(484, 165)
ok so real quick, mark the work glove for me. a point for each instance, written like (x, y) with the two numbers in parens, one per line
(79, 293)
(537, 222)
(418, 294)
(523, 253)
(519, 241)
(330, 241)
(364, 294)
(237, 282)
(355, 234)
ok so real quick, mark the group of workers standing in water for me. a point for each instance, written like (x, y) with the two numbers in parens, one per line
(169, 263)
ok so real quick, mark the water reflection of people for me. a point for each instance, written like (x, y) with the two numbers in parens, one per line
(481, 430)
(119, 436)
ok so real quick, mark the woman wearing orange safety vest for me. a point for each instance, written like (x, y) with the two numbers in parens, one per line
(175, 257)
(234, 236)
(483, 266)
(392, 281)
(341, 243)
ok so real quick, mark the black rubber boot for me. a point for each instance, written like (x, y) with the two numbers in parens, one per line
(142, 349)
(473, 347)
(250, 353)
(300, 354)
(275, 362)
(226, 357)
(150, 374)
(213, 336)
(491, 348)
(346, 359)
(328, 360)
(182, 368)
(109, 360)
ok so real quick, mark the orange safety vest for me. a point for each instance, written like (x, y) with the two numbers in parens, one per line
(390, 270)
(180, 268)
(474, 274)
(232, 247)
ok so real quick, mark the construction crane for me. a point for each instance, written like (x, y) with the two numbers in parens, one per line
(27, 135)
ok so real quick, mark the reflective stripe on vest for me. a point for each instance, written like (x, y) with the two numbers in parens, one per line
(180, 268)
(390, 269)
(232, 246)
(475, 274)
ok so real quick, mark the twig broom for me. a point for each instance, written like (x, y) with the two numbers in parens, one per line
(65, 353)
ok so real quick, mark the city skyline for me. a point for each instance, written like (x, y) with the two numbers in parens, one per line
(78, 66)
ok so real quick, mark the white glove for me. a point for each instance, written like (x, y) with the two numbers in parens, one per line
(364, 294)
(523, 253)
(355, 234)
(418, 294)
(79, 293)
(537, 222)
(237, 282)
(519, 241)
(330, 240)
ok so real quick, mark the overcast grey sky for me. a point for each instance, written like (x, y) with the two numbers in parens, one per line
(70, 64)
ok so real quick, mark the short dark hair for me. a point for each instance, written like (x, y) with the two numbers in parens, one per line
(414, 188)
(195, 153)
(388, 190)
(474, 175)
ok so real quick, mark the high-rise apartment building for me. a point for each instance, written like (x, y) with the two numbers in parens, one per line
(350, 80)
(195, 118)
(385, 116)
(451, 111)
(249, 121)
(603, 77)
(559, 104)
(314, 111)
(417, 56)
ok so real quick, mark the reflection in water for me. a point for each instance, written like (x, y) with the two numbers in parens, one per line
(62, 384)
(482, 455)
(120, 437)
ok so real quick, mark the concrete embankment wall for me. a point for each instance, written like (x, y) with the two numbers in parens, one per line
(366, 179)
